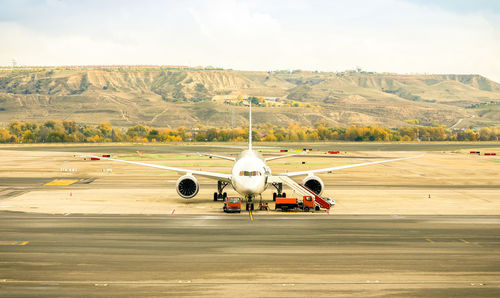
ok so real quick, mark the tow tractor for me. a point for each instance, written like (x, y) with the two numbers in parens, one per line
(232, 204)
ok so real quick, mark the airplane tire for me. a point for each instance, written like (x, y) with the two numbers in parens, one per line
(283, 195)
(224, 196)
(274, 197)
(246, 207)
(251, 206)
(215, 196)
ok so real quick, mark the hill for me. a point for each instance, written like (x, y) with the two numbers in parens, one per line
(173, 97)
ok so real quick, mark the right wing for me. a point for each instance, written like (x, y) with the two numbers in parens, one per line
(292, 174)
(280, 156)
(211, 175)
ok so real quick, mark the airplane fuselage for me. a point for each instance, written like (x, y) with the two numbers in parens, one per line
(250, 174)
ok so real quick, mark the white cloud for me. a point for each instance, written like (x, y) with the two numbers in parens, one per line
(385, 35)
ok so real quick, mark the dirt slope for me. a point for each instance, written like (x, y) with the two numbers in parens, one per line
(169, 98)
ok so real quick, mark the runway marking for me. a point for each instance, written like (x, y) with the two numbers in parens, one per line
(429, 240)
(250, 213)
(464, 241)
(14, 242)
(61, 182)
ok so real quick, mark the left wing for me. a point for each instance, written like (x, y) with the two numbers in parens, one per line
(218, 156)
(292, 174)
(211, 175)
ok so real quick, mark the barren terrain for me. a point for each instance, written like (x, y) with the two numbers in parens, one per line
(170, 98)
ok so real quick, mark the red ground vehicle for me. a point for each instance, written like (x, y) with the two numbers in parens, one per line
(285, 204)
(232, 204)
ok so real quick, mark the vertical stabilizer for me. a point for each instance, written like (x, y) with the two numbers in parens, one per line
(250, 127)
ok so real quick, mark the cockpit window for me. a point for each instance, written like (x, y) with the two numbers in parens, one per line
(250, 173)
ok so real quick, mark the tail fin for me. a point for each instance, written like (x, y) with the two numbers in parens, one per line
(250, 127)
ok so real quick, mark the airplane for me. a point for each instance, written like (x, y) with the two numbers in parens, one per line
(250, 175)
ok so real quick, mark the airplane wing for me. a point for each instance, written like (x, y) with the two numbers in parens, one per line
(292, 174)
(278, 157)
(219, 156)
(211, 175)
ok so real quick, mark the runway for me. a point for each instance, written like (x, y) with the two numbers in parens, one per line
(228, 255)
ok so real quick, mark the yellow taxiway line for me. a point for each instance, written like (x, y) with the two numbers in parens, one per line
(249, 211)
(14, 242)
(61, 182)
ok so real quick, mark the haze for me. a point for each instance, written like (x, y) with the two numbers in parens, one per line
(460, 37)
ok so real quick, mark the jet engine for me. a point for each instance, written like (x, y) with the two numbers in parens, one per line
(314, 184)
(187, 186)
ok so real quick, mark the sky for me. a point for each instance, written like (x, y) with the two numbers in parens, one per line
(402, 36)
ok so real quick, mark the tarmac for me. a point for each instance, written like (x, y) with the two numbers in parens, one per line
(228, 255)
(424, 227)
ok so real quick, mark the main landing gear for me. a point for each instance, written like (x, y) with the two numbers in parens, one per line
(220, 188)
(279, 188)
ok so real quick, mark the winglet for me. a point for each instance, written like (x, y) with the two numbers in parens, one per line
(250, 127)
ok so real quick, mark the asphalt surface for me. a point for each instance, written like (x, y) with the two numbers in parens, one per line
(229, 255)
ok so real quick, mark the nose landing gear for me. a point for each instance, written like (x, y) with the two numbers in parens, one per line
(249, 205)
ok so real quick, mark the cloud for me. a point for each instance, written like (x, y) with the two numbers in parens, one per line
(384, 35)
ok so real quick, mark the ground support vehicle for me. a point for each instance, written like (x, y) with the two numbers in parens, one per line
(306, 204)
(232, 204)
(330, 201)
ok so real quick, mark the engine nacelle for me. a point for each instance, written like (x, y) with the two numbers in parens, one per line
(187, 186)
(314, 184)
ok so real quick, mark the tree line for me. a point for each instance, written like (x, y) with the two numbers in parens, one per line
(55, 131)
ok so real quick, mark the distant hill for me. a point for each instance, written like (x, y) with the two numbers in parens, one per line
(170, 98)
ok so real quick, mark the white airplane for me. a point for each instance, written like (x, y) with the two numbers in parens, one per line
(250, 175)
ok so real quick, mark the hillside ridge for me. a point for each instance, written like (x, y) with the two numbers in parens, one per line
(170, 98)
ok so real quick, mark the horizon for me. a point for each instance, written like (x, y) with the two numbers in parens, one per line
(212, 67)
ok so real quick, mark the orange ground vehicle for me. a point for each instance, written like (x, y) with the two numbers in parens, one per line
(232, 204)
(285, 204)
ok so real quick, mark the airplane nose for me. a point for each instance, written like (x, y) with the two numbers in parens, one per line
(250, 187)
